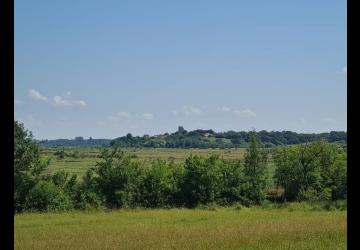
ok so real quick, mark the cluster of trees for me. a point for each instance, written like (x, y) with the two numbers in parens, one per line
(78, 142)
(315, 171)
(199, 139)
(210, 139)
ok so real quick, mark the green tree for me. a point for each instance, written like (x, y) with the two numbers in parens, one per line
(201, 181)
(233, 183)
(255, 170)
(311, 171)
(117, 178)
(28, 166)
(160, 184)
(46, 196)
(87, 194)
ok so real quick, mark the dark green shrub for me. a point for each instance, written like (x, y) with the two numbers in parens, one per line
(201, 182)
(255, 170)
(28, 167)
(117, 178)
(311, 171)
(46, 196)
(232, 188)
(89, 200)
(157, 184)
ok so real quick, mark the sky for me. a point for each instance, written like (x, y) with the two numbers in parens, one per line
(107, 68)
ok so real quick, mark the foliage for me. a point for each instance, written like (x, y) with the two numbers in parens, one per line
(311, 171)
(200, 139)
(160, 184)
(201, 181)
(233, 184)
(74, 143)
(117, 178)
(231, 139)
(60, 154)
(255, 170)
(46, 196)
(28, 166)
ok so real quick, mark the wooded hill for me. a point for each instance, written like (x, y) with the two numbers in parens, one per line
(200, 139)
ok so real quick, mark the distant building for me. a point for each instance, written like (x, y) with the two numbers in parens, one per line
(181, 129)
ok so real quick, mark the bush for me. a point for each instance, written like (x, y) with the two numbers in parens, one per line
(340, 204)
(46, 196)
(117, 178)
(28, 167)
(232, 188)
(159, 185)
(89, 201)
(201, 182)
(315, 173)
(312, 195)
(60, 154)
(311, 171)
(238, 207)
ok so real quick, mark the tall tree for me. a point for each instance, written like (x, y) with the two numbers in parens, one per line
(255, 170)
(314, 170)
(27, 164)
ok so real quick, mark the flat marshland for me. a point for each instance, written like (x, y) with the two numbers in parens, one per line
(88, 157)
(218, 228)
(297, 225)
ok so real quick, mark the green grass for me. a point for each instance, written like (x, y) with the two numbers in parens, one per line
(90, 156)
(73, 166)
(222, 228)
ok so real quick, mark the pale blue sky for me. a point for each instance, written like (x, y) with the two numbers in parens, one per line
(105, 68)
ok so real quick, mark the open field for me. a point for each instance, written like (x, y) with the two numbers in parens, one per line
(90, 156)
(223, 228)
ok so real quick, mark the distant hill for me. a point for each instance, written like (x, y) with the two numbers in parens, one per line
(231, 139)
(200, 139)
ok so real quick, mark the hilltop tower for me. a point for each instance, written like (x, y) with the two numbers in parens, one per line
(181, 129)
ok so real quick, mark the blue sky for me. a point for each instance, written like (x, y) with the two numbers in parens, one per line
(106, 68)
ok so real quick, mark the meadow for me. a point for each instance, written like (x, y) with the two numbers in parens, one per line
(138, 206)
(88, 156)
(292, 227)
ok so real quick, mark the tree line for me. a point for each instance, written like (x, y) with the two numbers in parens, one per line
(200, 139)
(231, 139)
(306, 172)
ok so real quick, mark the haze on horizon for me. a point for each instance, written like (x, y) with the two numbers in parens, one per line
(103, 70)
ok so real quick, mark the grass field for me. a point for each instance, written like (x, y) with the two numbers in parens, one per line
(223, 228)
(90, 156)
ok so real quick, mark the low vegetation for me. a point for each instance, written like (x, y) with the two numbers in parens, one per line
(314, 172)
(293, 227)
(290, 197)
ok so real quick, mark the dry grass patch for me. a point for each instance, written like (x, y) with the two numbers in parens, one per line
(225, 228)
